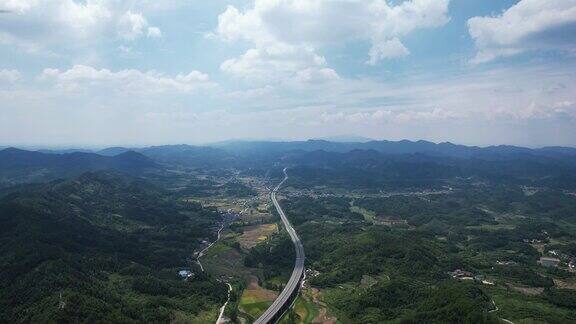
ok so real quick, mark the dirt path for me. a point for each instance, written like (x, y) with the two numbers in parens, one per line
(201, 254)
(497, 309)
(221, 319)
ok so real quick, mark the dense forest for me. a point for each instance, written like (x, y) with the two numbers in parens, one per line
(101, 248)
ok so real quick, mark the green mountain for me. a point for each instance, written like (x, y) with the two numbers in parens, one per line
(101, 248)
(20, 166)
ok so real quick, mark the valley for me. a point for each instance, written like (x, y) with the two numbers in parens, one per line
(288, 162)
(463, 246)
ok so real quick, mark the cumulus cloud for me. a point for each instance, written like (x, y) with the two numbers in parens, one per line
(9, 76)
(251, 94)
(17, 5)
(82, 77)
(277, 63)
(154, 32)
(528, 25)
(318, 22)
(133, 25)
(316, 75)
(44, 24)
(512, 94)
(387, 50)
(489, 105)
(288, 33)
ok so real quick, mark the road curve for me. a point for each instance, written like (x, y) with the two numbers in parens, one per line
(286, 297)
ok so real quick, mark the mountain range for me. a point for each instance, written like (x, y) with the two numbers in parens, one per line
(396, 159)
(20, 166)
(342, 145)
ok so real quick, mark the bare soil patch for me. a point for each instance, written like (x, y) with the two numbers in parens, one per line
(564, 284)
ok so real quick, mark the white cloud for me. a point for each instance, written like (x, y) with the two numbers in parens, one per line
(515, 94)
(382, 116)
(317, 22)
(147, 107)
(87, 78)
(133, 25)
(39, 26)
(47, 20)
(154, 32)
(528, 25)
(9, 76)
(277, 63)
(287, 34)
(307, 25)
(17, 5)
(82, 17)
(388, 49)
(251, 93)
(316, 75)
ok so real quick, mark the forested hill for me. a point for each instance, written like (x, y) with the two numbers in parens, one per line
(248, 154)
(101, 248)
(393, 148)
(20, 166)
(369, 169)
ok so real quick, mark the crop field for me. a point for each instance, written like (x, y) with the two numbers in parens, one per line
(256, 234)
(255, 299)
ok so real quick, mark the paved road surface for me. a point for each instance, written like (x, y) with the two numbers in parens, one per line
(282, 303)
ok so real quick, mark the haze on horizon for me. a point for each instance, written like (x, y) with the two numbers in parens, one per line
(104, 72)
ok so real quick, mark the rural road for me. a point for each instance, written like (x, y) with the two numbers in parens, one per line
(221, 319)
(201, 254)
(284, 300)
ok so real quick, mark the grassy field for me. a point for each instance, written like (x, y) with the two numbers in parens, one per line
(222, 260)
(303, 312)
(252, 310)
(493, 227)
(256, 234)
(205, 317)
(369, 216)
(255, 300)
(306, 310)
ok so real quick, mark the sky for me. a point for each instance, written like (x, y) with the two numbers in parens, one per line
(149, 72)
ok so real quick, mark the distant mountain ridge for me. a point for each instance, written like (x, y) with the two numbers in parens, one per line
(20, 166)
(64, 151)
(223, 149)
(180, 153)
(393, 148)
(35, 165)
(13, 157)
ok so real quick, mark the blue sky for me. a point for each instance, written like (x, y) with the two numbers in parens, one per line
(113, 72)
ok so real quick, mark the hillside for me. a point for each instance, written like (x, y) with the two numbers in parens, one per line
(20, 166)
(101, 248)
(371, 169)
(393, 148)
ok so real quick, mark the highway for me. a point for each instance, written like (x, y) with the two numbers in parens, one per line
(286, 297)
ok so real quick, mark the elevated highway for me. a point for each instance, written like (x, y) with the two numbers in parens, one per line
(290, 291)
